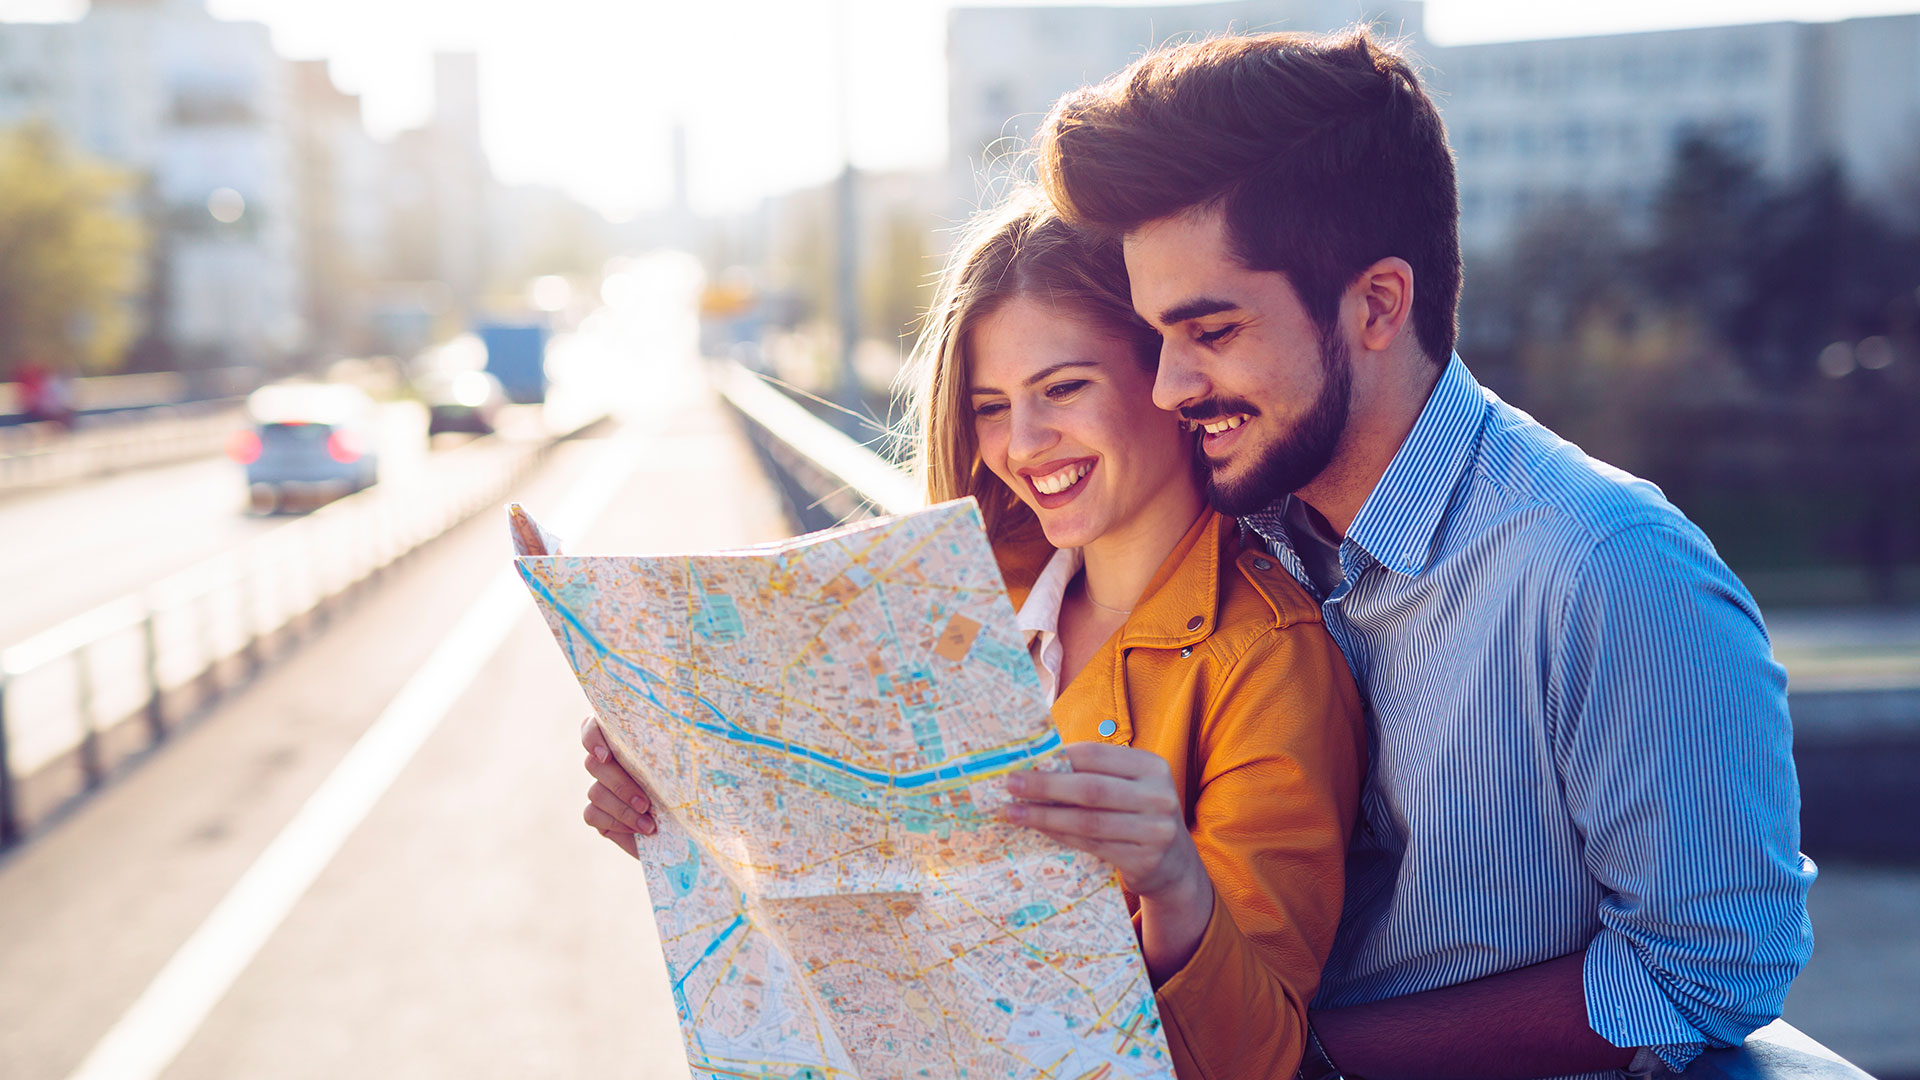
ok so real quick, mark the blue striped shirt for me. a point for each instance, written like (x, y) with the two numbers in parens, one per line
(1579, 733)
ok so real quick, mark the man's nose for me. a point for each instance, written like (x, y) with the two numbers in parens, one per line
(1178, 381)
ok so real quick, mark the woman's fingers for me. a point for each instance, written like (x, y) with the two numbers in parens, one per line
(623, 786)
(1113, 826)
(621, 838)
(593, 739)
(1094, 791)
(1126, 762)
(629, 814)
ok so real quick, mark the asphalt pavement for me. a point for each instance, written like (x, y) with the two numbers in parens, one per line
(463, 922)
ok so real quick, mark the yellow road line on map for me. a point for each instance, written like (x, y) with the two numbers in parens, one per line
(724, 965)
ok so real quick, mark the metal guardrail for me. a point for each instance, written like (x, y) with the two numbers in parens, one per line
(43, 454)
(832, 470)
(67, 695)
(826, 475)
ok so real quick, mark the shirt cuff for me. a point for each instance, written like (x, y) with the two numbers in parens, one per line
(1627, 1007)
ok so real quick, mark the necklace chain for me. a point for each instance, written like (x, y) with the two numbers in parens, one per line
(1087, 594)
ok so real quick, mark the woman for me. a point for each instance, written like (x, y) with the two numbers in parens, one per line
(1213, 727)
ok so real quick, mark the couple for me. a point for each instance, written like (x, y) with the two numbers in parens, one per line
(1562, 838)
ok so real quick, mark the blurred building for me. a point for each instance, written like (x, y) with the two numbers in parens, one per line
(282, 229)
(202, 109)
(1006, 65)
(1533, 123)
(344, 211)
(1596, 119)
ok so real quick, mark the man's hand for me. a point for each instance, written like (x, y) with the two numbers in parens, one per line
(1121, 805)
(617, 806)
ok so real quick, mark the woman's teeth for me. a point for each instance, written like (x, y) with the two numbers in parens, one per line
(1062, 480)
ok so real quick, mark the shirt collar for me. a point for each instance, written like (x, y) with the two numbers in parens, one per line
(1397, 523)
(1039, 612)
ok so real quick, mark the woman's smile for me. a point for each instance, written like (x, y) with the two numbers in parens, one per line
(1055, 483)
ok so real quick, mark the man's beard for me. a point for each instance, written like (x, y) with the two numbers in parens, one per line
(1293, 461)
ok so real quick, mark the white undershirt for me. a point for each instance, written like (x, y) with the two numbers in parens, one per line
(1039, 617)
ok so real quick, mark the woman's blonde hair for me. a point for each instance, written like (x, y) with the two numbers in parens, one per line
(1020, 249)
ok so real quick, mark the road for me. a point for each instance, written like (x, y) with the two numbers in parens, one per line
(71, 549)
(469, 925)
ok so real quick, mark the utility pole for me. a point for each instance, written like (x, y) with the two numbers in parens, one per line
(846, 210)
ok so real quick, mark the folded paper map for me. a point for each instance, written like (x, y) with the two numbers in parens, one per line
(823, 725)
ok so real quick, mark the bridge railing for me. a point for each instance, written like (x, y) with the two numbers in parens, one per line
(829, 474)
(91, 693)
(121, 422)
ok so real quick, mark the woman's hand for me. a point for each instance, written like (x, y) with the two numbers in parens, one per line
(617, 806)
(1120, 804)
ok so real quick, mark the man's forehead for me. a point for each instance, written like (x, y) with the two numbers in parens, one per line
(1174, 262)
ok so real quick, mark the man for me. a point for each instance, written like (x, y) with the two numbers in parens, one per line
(1578, 846)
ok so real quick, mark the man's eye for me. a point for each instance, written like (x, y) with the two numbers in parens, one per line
(1209, 337)
(1063, 389)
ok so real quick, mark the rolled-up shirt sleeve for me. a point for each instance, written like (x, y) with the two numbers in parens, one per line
(1671, 737)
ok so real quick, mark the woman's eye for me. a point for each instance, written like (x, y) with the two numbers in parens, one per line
(1064, 389)
(990, 408)
(1209, 337)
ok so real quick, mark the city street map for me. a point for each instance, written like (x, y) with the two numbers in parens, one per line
(823, 724)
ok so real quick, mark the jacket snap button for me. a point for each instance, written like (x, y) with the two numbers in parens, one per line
(1262, 564)
(1194, 623)
(1186, 652)
(1107, 728)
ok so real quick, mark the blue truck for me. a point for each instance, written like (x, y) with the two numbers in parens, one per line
(517, 356)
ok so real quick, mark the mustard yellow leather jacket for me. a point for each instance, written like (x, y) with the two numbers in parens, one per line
(1225, 671)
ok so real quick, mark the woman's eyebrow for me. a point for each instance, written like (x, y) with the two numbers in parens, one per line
(1043, 373)
(1055, 369)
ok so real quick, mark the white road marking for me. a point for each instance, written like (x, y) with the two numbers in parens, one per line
(159, 1023)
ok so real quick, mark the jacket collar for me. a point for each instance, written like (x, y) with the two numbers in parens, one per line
(1181, 602)
(1181, 591)
(1397, 523)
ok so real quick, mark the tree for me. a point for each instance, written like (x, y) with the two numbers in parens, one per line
(1704, 243)
(71, 256)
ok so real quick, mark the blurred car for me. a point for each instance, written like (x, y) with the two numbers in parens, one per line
(462, 401)
(308, 443)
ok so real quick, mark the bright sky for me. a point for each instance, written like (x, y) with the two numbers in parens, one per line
(582, 94)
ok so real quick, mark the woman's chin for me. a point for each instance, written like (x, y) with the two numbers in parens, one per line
(1064, 530)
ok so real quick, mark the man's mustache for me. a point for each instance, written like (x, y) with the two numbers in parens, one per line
(1206, 412)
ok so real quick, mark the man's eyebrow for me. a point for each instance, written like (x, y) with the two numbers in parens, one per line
(1050, 369)
(1197, 308)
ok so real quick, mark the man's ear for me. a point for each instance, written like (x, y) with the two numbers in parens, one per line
(1381, 298)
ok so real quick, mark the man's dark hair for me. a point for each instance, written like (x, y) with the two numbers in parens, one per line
(1323, 151)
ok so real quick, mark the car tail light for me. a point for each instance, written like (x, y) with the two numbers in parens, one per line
(343, 447)
(244, 447)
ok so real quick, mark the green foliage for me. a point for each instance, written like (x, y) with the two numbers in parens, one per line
(1755, 352)
(71, 256)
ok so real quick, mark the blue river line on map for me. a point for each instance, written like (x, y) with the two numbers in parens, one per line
(984, 762)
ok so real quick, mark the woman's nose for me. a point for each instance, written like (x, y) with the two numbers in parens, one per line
(1031, 435)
